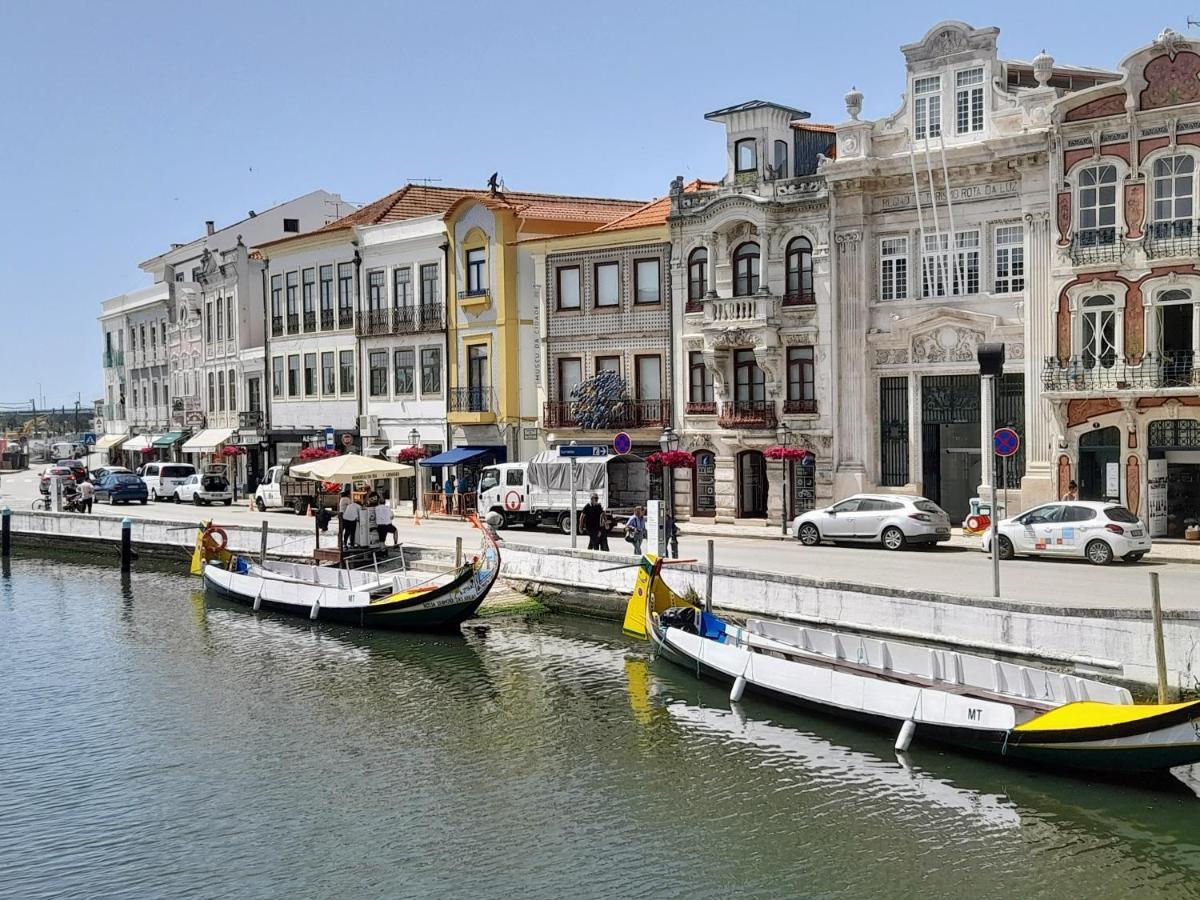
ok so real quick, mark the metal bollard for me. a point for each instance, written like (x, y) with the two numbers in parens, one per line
(5, 532)
(126, 544)
(262, 555)
(458, 553)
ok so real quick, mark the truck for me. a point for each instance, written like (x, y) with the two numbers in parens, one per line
(279, 490)
(538, 492)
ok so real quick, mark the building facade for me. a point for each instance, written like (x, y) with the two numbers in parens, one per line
(750, 281)
(1120, 328)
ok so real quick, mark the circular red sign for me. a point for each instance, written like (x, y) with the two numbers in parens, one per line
(512, 500)
(1006, 442)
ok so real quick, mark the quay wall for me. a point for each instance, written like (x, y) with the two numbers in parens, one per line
(1117, 644)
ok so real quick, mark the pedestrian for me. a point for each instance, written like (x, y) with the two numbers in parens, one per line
(343, 502)
(350, 523)
(87, 493)
(673, 536)
(1072, 492)
(384, 526)
(323, 517)
(635, 529)
(448, 490)
(607, 524)
(591, 519)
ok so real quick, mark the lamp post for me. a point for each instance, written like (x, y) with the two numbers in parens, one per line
(991, 366)
(784, 433)
(414, 440)
(668, 442)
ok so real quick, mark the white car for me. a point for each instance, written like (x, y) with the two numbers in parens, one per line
(1097, 531)
(893, 520)
(204, 489)
(162, 478)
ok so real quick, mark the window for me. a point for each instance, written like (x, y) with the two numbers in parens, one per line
(968, 101)
(431, 370)
(345, 295)
(570, 374)
(220, 391)
(1010, 259)
(326, 296)
(232, 386)
(781, 158)
(893, 268)
(700, 383)
(608, 284)
(1174, 189)
(293, 311)
(212, 392)
(950, 272)
(1097, 205)
(649, 377)
(749, 382)
(291, 225)
(697, 274)
(376, 290)
(567, 287)
(228, 318)
(377, 370)
(477, 366)
(153, 338)
(209, 334)
(328, 375)
(277, 377)
(429, 283)
(1098, 343)
(477, 281)
(402, 287)
(608, 364)
(220, 322)
(646, 287)
(253, 395)
(403, 363)
(745, 270)
(801, 385)
(154, 392)
(346, 371)
(293, 375)
(798, 264)
(310, 374)
(927, 107)
(308, 295)
(745, 156)
(276, 305)
(1178, 339)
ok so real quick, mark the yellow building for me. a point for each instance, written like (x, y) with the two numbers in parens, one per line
(491, 324)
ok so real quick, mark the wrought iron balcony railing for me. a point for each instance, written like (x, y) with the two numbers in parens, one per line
(310, 321)
(469, 400)
(700, 408)
(800, 407)
(250, 420)
(747, 414)
(1097, 245)
(293, 323)
(620, 414)
(404, 319)
(276, 326)
(432, 317)
(327, 320)
(800, 298)
(1180, 237)
(1109, 372)
(345, 317)
(373, 322)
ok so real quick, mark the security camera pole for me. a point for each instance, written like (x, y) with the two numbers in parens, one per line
(991, 366)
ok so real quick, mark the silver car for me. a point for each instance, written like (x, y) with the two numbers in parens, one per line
(890, 519)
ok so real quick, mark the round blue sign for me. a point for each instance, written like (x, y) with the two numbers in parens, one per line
(1006, 442)
(622, 443)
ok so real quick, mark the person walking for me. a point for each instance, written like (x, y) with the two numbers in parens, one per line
(448, 490)
(343, 502)
(350, 523)
(1072, 492)
(635, 529)
(591, 521)
(87, 493)
(383, 524)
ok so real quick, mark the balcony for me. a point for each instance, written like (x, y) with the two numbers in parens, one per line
(1178, 238)
(251, 420)
(1097, 245)
(693, 306)
(747, 414)
(1108, 373)
(477, 297)
(276, 326)
(310, 322)
(757, 309)
(373, 322)
(800, 298)
(700, 408)
(404, 320)
(114, 359)
(293, 323)
(327, 320)
(799, 407)
(432, 317)
(621, 414)
(345, 317)
(469, 400)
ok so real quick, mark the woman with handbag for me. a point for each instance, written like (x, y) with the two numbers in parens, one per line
(635, 529)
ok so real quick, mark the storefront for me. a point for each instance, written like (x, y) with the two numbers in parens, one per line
(1173, 476)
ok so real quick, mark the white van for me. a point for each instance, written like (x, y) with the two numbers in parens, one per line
(161, 479)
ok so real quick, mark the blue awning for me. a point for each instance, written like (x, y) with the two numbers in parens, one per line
(455, 456)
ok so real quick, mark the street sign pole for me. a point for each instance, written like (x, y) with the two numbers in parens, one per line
(995, 544)
(574, 510)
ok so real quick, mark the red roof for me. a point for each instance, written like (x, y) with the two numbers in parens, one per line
(813, 126)
(656, 211)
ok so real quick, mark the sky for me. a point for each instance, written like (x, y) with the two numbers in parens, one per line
(125, 125)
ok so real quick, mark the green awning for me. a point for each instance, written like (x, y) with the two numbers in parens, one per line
(168, 439)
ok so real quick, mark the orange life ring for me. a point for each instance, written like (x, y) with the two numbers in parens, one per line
(512, 501)
(209, 539)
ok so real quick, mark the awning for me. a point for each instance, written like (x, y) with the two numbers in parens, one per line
(454, 457)
(208, 440)
(169, 439)
(108, 441)
(139, 442)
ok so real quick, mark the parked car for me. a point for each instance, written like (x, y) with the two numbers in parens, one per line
(78, 469)
(99, 472)
(1098, 531)
(63, 471)
(122, 487)
(889, 519)
(204, 489)
(161, 479)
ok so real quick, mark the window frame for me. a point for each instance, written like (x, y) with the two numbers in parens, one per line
(278, 377)
(310, 374)
(430, 276)
(564, 395)
(1097, 229)
(326, 295)
(377, 290)
(1173, 177)
(927, 107)
(346, 385)
(801, 368)
(975, 96)
(402, 287)
(738, 168)
(696, 366)
(697, 287)
(431, 386)
(638, 359)
(410, 367)
(377, 375)
(328, 363)
(293, 376)
(476, 271)
(1008, 259)
(893, 269)
(746, 363)
(747, 283)
(637, 280)
(597, 297)
(799, 249)
(558, 289)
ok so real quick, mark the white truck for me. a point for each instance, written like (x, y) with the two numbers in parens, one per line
(538, 492)
(279, 490)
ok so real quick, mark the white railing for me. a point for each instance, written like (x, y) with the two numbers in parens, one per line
(722, 310)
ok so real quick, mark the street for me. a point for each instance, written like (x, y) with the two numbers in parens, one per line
(948, 569)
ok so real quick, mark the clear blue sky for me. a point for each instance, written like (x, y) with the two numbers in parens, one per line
(125, 125)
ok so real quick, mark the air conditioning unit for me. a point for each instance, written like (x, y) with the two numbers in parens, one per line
(368, 426)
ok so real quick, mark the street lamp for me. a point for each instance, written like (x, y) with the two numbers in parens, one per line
(783, 433)
(414, 441)
(991, 366)
(668, 442)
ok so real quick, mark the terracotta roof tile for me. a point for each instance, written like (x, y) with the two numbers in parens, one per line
(813, 126)
(656, 211)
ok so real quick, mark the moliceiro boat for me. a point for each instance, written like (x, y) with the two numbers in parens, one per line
(921, 693)
(364, 597)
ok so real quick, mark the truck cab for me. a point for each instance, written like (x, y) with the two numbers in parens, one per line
(269, 493)
(503, 490)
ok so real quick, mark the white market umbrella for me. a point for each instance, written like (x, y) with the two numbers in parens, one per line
(351, 467)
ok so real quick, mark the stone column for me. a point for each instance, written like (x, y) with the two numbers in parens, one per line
(776, 485)
(725, 486)
(714, 247)
(1041, 433)
(764, 252)
(850, 397)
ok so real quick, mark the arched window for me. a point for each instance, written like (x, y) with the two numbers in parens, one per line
(1174, 191)
(697, 275)
(745, 269)
(780, 163)
(1097, 205)
(1099, 337)
(745, 156)
(1178, 338)
(799, 271)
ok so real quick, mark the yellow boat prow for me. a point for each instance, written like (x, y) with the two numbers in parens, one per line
(1089, 714)
(662, 598)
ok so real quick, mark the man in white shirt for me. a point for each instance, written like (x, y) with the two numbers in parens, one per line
(383, 524)
(350, 523)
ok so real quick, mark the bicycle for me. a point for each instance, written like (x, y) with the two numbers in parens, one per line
(41, 503)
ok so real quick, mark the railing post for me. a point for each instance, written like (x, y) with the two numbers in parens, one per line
(126, 544)
(5, 532)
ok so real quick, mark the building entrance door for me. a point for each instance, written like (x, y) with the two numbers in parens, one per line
(1098, 449)
(752, 485)
(951, 456)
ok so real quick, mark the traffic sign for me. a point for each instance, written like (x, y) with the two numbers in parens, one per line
(328, 437)
(622, 443)
(88, 439)
(1006, 442)
(578, 450)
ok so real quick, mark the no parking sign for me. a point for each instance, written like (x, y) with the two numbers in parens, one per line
(1006, 442)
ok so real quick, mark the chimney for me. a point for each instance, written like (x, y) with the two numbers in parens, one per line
(209, 227)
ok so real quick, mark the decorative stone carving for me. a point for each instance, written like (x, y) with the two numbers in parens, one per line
(891, 357)
(854, 103)
(1113, 105)
(1135, 209)
(1171, 79)
(1063, 337)
(1063, 214)
(1135, 324)
(694, 343)
(1133, 483)
(734, 337)
(950, 343)
(768, 360)
(1170, 42)
(1043, 68)
(847, 238)
(1015, 350)
(1064, 474)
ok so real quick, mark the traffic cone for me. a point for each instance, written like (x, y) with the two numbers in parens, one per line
(311, 511)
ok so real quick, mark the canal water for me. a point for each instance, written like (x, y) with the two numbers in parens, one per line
(157, 744)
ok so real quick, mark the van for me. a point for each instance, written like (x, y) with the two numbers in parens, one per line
(161, 479)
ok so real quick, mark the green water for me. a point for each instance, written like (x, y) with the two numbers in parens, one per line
(159, 745)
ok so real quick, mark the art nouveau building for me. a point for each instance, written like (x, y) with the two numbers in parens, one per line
(750, 280)
(941, 234)
(1121, 326)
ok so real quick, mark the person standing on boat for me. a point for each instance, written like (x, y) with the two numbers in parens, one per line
(591, 521)
(350, 523)
(383, 524)
(635, 529)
